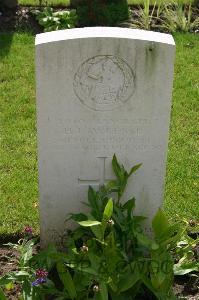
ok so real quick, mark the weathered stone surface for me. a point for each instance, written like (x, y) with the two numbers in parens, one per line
(101, 91)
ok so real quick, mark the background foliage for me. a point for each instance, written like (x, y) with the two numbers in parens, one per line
(67, 2)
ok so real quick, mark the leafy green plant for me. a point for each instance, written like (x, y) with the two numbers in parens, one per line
(146, 17)
(51, 20)
(25, 274)
(186, 254)
(159, 8)
(169, 17)
(179, 18)
(102, 12)
(107, 256)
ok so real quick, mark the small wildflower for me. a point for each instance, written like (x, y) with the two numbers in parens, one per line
(192, 223)
(96, 288)
(38, 281)
(110, 222)
(35, 205)
(41, 273)
(84, 248)
(28, 230)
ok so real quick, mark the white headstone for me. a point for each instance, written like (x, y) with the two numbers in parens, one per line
(101, 91)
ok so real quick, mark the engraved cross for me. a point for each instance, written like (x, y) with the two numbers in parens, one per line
(102, 175)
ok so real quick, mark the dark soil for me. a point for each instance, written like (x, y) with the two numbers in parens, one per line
(8, 263)
(8, 260)
(186, 288)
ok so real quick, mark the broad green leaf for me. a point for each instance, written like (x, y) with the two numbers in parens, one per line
(92, 198)
(89, 223)
(112, 254)
(28, 248)
(82, 268)
(77, 217)
(160, 295)
(67, 280)
(148, 284)
(81, 281)
(172, 229)
(11, 245)
(146, 242)
(158, 279)
(98, 232)
(107, 215)
(95, 261)
(27, 290)
(110, 239)
(112, 186)
(185, 268)
(21, 273)
(108, 211)
(161, 270)
(5, 280)
(159, 223)
(133, 169)
(103, 292)
(128, 280)
(2, 295)
(129, 206)
(116, 167)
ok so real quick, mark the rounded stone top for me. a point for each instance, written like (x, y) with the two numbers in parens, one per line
(106, 32)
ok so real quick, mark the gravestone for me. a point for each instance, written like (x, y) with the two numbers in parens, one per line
(101, 91)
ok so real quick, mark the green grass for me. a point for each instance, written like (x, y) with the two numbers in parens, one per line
(67, 2)
(18, 168)
(182, 184)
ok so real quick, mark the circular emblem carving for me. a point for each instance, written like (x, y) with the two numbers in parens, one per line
(104, 82)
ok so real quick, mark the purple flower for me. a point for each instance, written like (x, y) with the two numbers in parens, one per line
(38, 281)
(28, 230)
(41, 273)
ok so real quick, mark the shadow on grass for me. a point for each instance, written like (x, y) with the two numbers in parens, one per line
(7, 28)
(5, 44)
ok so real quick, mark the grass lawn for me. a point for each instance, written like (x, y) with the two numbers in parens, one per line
(18, 159)
(18, 165)
(67, 2)
(182, 182)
